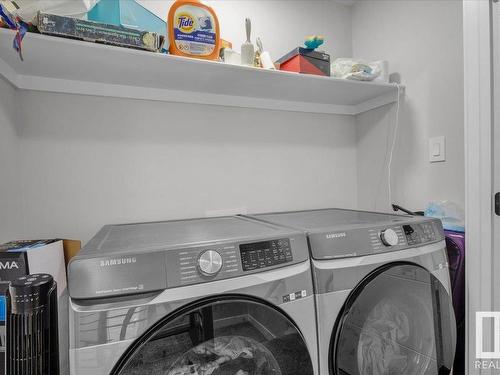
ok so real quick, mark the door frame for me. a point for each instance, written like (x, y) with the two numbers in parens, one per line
(478, 127)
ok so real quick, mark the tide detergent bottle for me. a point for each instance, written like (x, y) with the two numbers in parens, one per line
(193, 30)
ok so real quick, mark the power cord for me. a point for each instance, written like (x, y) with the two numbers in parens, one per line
(394, 138)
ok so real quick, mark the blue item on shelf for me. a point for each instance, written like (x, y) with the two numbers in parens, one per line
(127, 13)
(2, 308)
(314, 41)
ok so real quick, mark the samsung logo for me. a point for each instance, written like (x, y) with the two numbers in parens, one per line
(117, 261)
(335, 235)
(8, 265)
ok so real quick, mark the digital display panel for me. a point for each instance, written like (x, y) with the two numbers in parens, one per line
(262, 254)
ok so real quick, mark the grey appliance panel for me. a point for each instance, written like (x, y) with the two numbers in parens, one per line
(133, 238)
(119, 275)
(358, 234)
(314, 220)
(339, 279)
(365, 241)
(98, 323)
(106, 272)
(100, 359)
(182, 263)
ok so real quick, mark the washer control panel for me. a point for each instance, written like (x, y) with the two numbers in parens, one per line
(263, 254)
(218, 261)
(196, 264)
(419, 233)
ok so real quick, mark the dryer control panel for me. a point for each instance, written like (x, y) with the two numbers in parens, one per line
(361, 241)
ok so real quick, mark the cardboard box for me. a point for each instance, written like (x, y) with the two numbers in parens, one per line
(71, 248)
(306, 61)
(98, 32)
(20, 258)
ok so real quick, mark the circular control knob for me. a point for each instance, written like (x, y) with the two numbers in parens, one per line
(389, 237)
(210, 262)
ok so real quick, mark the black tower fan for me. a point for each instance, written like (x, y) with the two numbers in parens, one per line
(32, 334)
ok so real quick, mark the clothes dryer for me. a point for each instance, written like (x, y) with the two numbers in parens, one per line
(382, 290)
(219, 296)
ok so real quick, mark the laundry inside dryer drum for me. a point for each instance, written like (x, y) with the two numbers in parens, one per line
(398, 322)
(224, 337)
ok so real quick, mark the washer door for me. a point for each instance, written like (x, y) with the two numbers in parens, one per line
(398, 321)
(229, 335)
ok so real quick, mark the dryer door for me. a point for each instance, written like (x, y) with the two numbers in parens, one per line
(398, 321)
(227, 335)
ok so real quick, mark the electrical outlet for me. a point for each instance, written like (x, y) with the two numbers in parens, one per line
(437, 149)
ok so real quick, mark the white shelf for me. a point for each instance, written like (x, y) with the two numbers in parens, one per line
(69, 66)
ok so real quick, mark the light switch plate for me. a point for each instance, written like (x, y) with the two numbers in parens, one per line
(437, 149)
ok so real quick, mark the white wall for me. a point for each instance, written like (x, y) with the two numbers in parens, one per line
(10, 197)
(281, 24)
(423, 42)
(89, 161)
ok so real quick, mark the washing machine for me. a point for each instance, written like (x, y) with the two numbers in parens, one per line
(382, 291)
(216, 296)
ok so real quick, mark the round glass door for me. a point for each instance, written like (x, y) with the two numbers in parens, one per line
(229, 336)
(398, 321)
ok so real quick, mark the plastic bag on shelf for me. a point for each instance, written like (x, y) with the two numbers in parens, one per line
(69, 8)
(451, 214)
(359, 70)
